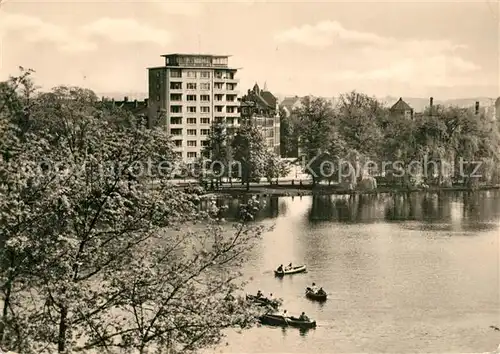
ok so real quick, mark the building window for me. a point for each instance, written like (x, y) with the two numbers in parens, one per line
(219, 120)
(230, 109)
(205, 109)
(192, 109)
(176, 85)
(220, 61)
(191, 132)
(205, 120)
(231, 98)
(229, 120)
(218, 86)
(191, 121)
(157, 97)
(229, 87)
(205, 86)
(191, 154)
(218, 108)
(205, 98)
(175, 109)
(219, 74)
(205, 143)
(175, 97)
(175, 73)
(191, 97)
(192, 143)
(175, 120)
(178, 143)
(205, 74)
(205, 132)
(191, 74)
(191, 86)
(219, 97)
(176, 132)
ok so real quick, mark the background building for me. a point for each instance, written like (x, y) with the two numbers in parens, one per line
(289, 104)
(401, 108)
(260, 107)
(188, 94)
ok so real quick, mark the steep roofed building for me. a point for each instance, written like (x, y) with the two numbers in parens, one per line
(260, 107)
(401, 108)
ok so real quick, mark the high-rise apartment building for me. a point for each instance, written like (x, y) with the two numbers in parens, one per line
(190, 93)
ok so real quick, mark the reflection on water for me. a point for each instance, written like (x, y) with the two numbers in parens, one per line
(404, 272)
(446, 209)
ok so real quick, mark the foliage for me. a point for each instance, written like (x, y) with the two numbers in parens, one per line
(289, 135)
(249, 149)
(219, 149)
(361, 130)
(318, 134)
(92, 256)
(275, 167)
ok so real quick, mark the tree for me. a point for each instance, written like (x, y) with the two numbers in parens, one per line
(358, 123)
(219, 150)
(249, 149)
(400, 143)
(275, 167)
(289, 142)
(317, 132)
(92, 256)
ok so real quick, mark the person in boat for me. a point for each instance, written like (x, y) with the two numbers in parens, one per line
(289, 266)
(321, 291)
(303, 317)
(284, 314)
(280, 269)
(259, 294)
(314, 288)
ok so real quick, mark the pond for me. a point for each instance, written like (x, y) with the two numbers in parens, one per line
(404, 272)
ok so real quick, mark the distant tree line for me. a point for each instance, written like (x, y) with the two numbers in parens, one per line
(359, 129)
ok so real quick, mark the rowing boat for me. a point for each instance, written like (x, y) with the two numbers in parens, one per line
(278, 320)
(293, 270)
(318, 296)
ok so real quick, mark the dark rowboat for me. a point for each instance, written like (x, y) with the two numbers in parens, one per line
(293, 270)
(277, 320)
(262, 301)
(317, 296)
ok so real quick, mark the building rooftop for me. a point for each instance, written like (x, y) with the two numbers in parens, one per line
(225, 68)
(288, 102)
(264, 97)
(195, 55)
(401, 105)
(135, 106)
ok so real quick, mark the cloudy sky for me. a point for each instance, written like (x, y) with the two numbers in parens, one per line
(447, 49)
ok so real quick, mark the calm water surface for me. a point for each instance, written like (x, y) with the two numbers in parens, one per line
(404, 273)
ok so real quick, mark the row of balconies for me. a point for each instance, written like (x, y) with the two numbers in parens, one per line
(222, 91)
(204, 79)
(206, 114)
(185, 102)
